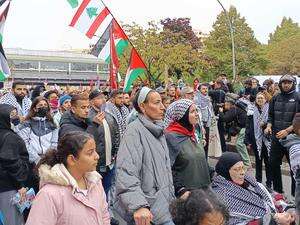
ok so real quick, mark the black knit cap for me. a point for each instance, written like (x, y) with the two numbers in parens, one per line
(95, 94)
(226, 161)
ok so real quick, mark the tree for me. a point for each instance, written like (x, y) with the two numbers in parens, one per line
(179, 59)
(284, 56)
(286, 29)
(181, 32)
(218, 46)
(283, 50)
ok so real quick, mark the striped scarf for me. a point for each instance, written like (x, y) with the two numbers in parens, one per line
(120, 115)
(240, 200)
(258, 119)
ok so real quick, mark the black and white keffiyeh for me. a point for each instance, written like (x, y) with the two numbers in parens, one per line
(240, 200)
(260, 117)
(10, 99)
(176, 111)
(120, 115)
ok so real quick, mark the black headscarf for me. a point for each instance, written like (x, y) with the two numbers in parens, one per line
(226, 161)
(185, 122)
(5, 111)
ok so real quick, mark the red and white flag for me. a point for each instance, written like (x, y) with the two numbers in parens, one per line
(91, 18)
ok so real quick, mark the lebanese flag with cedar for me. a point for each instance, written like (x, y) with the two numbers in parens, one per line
(92, 18)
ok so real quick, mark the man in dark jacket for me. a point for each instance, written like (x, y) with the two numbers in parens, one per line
(106, 135)
(282, 109)
(218, 98)
(237, 116)
(77, 118)
(14, 165)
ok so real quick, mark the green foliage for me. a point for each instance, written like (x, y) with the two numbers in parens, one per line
(218, 47)
(287, 29)
(283, 50)
(163, 59)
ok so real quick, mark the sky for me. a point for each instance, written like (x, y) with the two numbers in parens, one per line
(43, 24)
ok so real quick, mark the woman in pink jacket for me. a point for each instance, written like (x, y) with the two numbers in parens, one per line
(71, 192)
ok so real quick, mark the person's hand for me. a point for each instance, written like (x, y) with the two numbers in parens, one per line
(99, 118)
(203, 131)
(221, 109)
(268, 130)
(22, 119)
(204, 142)
(185, 195)
(282, 134)
(143, 216)
(283, 218)
(22, 193)
(249, 146)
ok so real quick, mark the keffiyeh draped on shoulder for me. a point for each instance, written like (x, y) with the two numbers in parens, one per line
(10, 99)
(120, 115)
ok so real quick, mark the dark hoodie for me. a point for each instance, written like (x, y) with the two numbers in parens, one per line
(282, 109)
(14, 162)
(69, 123)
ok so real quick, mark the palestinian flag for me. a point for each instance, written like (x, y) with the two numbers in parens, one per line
(91, 18)
(136, 68)
(4, 68)
(102, 47)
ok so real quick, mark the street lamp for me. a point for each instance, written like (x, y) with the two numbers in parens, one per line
(232, 40)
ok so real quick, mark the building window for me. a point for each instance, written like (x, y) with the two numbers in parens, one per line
(84, 67)
(54, 66)
(16, 64)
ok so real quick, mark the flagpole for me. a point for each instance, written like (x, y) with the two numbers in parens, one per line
(128, 39)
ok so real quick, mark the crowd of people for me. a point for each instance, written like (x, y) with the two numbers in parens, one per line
(103, 157)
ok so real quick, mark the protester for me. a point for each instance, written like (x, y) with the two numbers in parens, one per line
(187, 92)
(218, 99)
(237, 116)
(115, 107)
(144, 186)
(64, 105)
(18, 98)
(247, 200)
(14, 166)
(282, 109)
(269, 85)
(37, 91)
(77, 118)
(166, 101)
(203, 102)
(292, 143)
(171, 92)
(189, 166)
(107, 138)
(71, 190)
(38, 131)
(256, 140)
(127, 101)
(52, 97)
(201, 207)
(161, 91)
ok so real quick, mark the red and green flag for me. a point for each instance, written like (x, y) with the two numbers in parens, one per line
(4, 68)
(102, 47)
(136, 68)
(114, 63)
